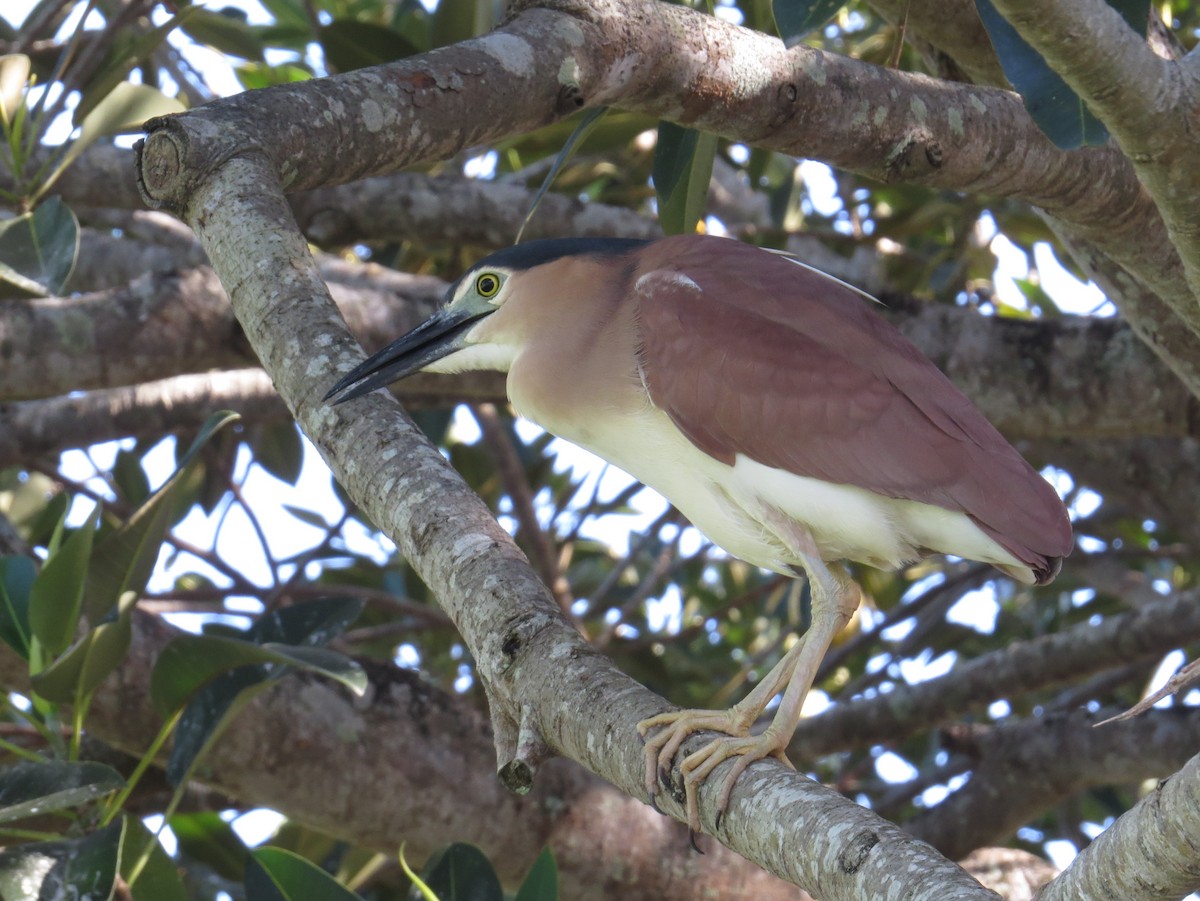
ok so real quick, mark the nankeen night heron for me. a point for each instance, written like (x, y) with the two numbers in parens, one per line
(770, 404)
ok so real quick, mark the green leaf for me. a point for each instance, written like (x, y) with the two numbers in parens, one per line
(84, 868)
(462, 873)
(1038, 299)
(124, 559)
(28, 789)
(190, 662)
(350, 44)
(279, 450)
(588, 122)
(312, 623)
(682, 169)
(226, 31)
(289, 13)
(274, 874)
(205, 837)
(73, 677)
(307, 516)
(208, 713)
(56, 599)
(40, 523)
(16, 584)
(38, 250)
(254, 76)
(796, 18)
(107, 80)
(1056, 109)
(541, 883)
(158, 879)
(130, 477)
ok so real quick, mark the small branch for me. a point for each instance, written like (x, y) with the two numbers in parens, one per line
(454, 211)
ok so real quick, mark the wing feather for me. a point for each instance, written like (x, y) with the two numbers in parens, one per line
(750, 354)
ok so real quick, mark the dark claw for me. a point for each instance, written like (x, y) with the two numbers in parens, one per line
(664, 778)
(717, 825)
(692, 841)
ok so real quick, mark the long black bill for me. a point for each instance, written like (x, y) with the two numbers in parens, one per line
(438, 336)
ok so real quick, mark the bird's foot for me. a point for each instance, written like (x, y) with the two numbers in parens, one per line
(676, 726)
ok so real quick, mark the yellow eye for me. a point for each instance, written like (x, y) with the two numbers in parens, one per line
(487, 285)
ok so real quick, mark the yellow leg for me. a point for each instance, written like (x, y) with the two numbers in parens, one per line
(835, 597)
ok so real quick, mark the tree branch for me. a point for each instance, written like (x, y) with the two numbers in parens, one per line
(31, 429)
(1023, 666)
(1140, 478)
(1150, 853)
(1025, 768)
(456, 211)
(1148, 104)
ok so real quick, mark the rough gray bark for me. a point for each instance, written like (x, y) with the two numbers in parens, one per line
(1151, 853)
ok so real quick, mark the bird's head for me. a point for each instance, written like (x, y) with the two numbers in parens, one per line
(453, 339)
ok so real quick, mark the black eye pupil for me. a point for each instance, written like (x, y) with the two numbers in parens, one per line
(488, 284)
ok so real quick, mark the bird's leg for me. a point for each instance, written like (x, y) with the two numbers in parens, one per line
(660, 748)
(835, 597)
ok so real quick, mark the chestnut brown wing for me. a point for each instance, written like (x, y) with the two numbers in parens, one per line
(750, 354)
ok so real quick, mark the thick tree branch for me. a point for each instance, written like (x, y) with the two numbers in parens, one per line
(1073, 376)
(31, 429)
(1150, 631)
(1086, 378)
(1025, 768)
(168, 323)
(1150, 853)
(454, 211)
(1140, 478)
(672, 62)
(1147, 102)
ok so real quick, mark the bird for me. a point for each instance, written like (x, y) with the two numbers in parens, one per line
(772, 405)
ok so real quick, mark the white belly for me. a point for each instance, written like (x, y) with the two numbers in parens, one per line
(732, 505)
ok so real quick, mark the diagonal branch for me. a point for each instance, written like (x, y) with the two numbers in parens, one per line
(1150, 853)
